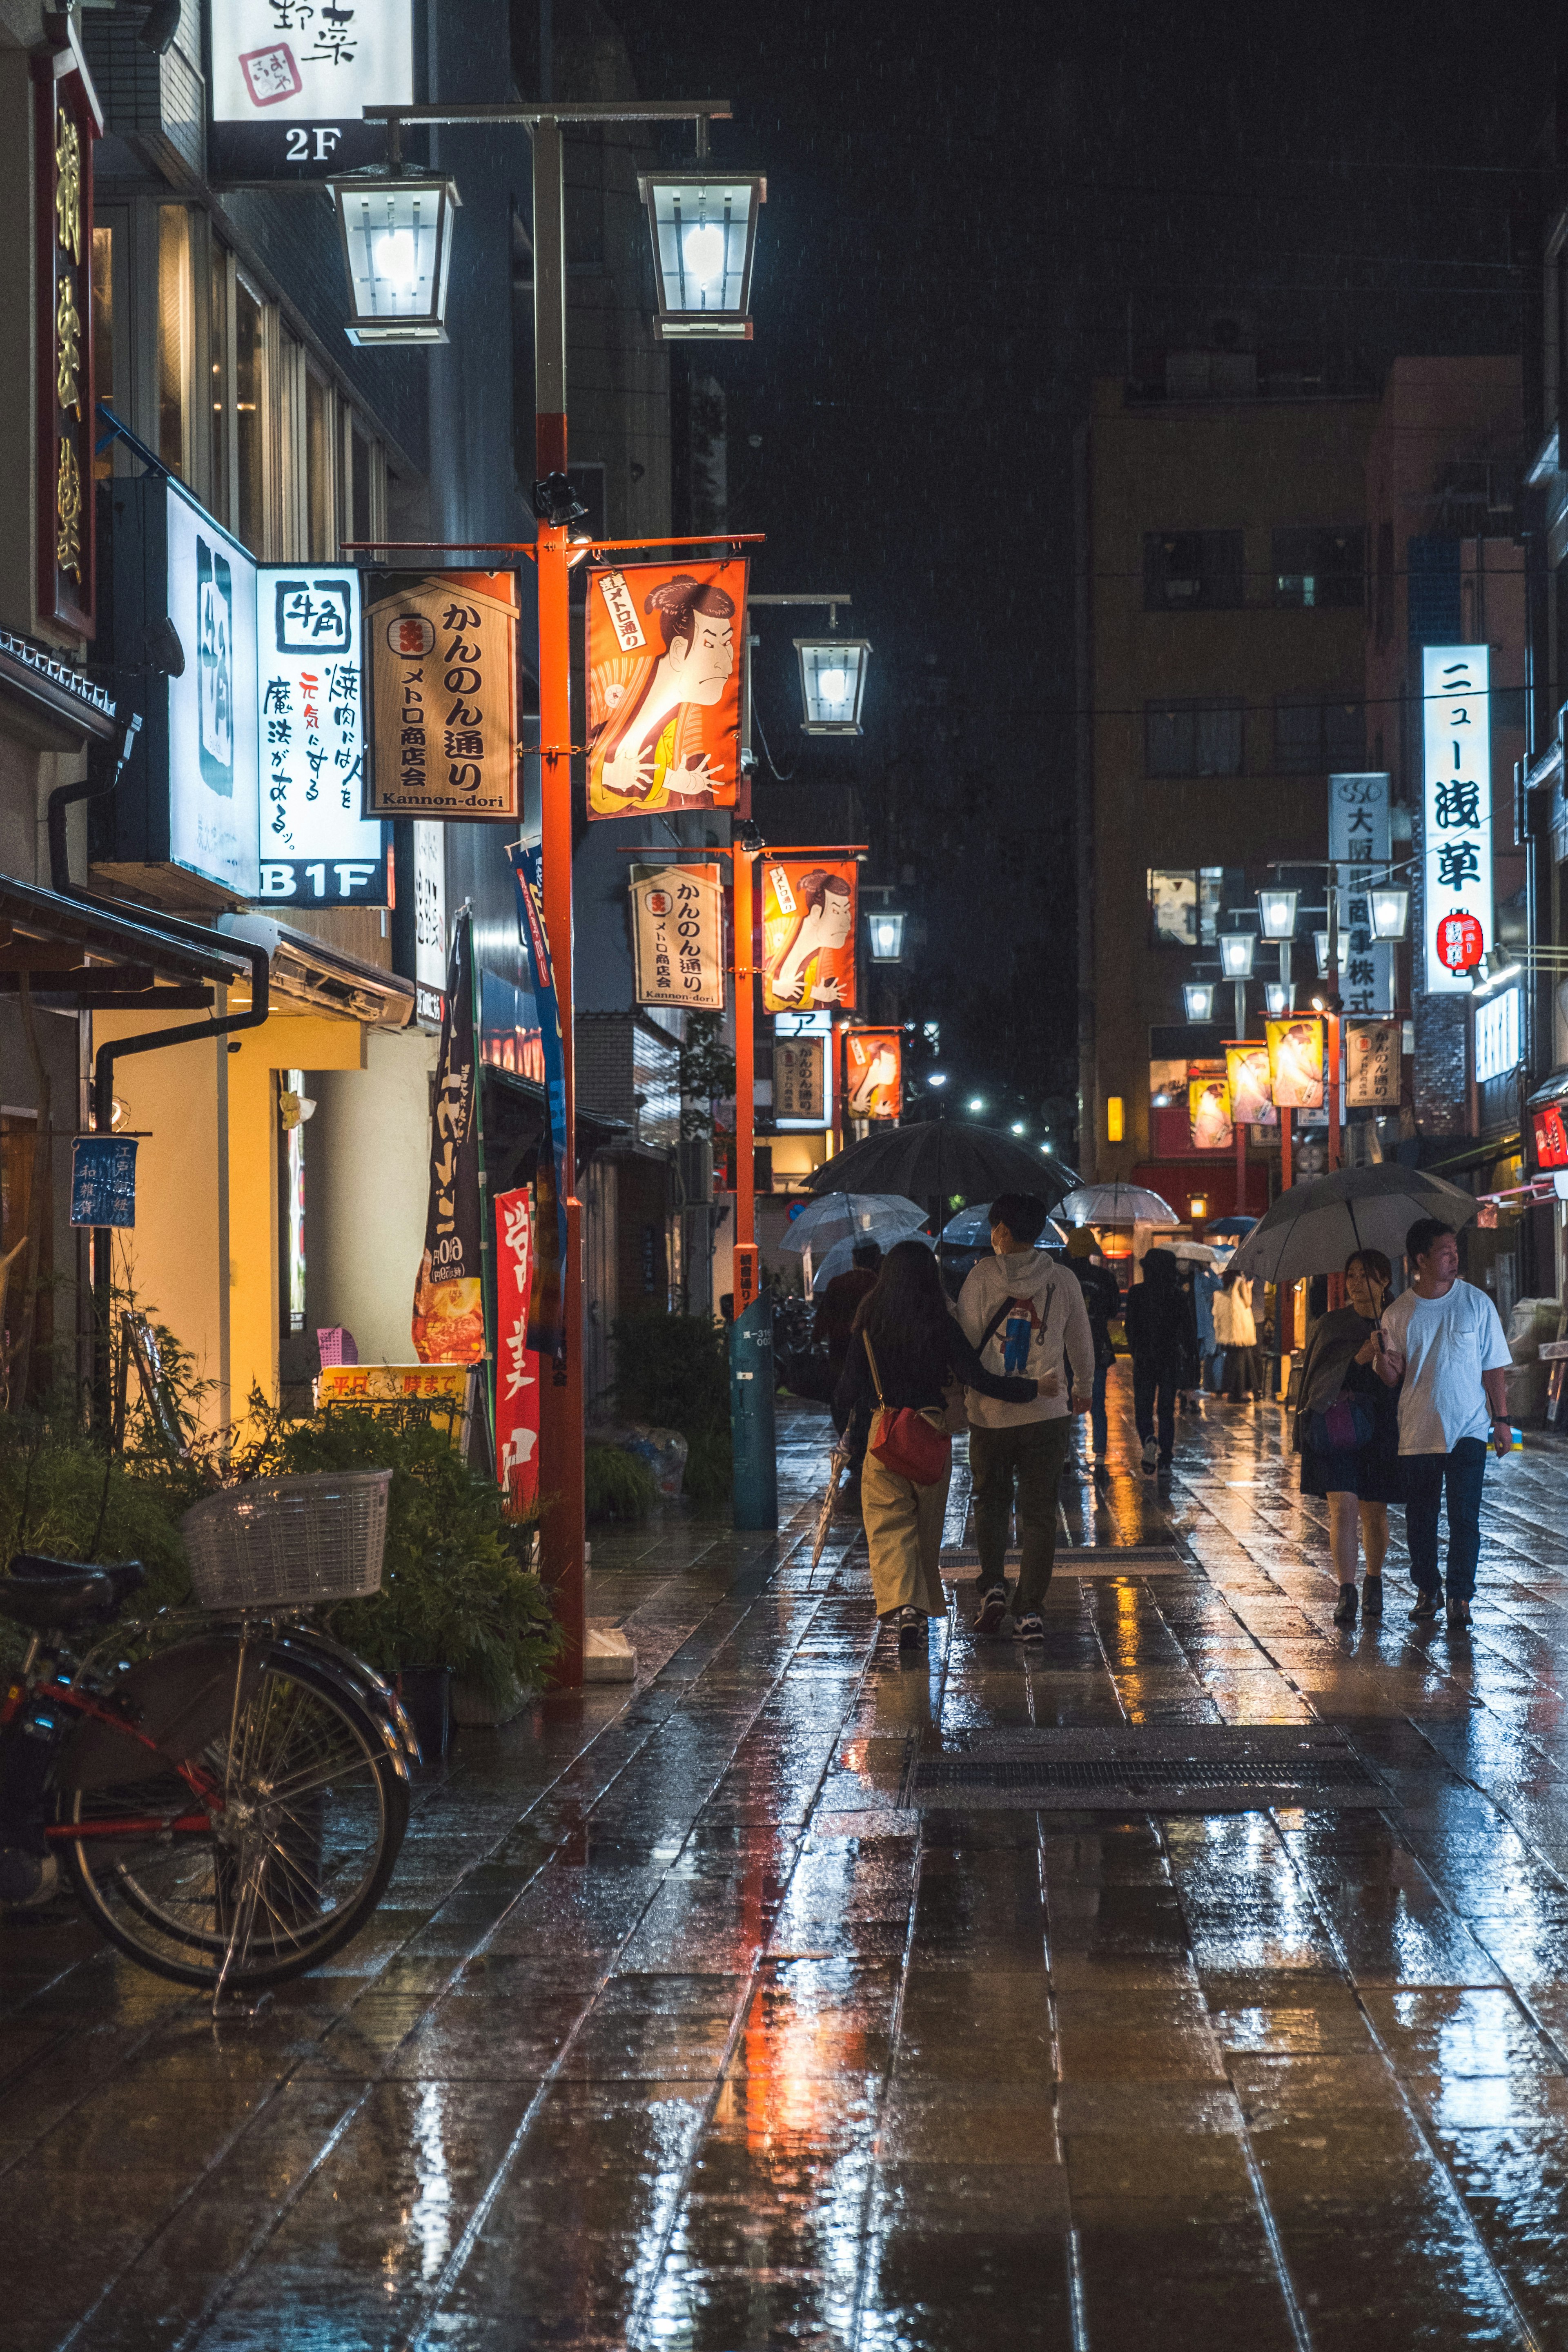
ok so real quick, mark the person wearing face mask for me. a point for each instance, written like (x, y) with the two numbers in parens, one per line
(1347, 1432)
(1020, 1311)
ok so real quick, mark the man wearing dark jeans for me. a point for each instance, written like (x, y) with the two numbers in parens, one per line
(1158, 1320)
(1443, 1339)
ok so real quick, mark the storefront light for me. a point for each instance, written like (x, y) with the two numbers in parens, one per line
(1277, 914)
(1390, 912)
(1236, 953)
(1198, 996)
(887, 937)
(832, 683)
(703, 224)
(397, 248)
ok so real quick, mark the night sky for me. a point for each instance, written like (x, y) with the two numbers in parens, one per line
(972, 211)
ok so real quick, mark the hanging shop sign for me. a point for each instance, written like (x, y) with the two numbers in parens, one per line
(1359, 843)
(103, 1179)
(808, 933)
(664, 686)
(1372, 1065)
(448, 1309)
(1208, 1114)
(316, 849)
(1498, 1047)
(1457, 811)
(1247, 1078)
(547, 1321)
(517, 1364)
(1295, 1064)
(873, 1073)
(442, 666)
(65, 127)
(429, 863)
(802, 1070)
(1548, 1130)
(288, 80)
(677, 936)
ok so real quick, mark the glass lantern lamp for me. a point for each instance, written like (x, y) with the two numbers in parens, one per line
(396, 236)
(832, 683)
(703, 224)
(1277, 995)
(887, 932)
(1236, 953)
(1198, 997)
(1390, 912)
(1277, 914)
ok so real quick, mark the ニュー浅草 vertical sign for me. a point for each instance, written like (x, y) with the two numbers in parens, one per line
(65, 128)
(1457, 813)
(443, 661)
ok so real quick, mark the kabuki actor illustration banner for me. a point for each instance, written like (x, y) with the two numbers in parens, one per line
(678, 938)
(448, 1311)
(443, 666)
(808, 933)
(546, 1329)
(1208, 1113)
(288, 78)
(316, 849)
(1372, 1065)
(517, 1364)
(664, 686)
(1295, 1064)
(873, 1073)
(1247, 1079)
(1457, 813)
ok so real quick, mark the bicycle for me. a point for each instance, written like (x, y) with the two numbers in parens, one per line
(229, 1804)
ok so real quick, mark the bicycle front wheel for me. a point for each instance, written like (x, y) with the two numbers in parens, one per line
(271, 1873)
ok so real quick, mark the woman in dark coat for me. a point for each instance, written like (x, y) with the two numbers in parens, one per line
(1164, 1337)
(1347, 1428)
(920, 1352)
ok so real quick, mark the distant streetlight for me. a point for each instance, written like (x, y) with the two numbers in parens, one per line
(1277, 914)
(703, 223)
(1390, 913)
(1018, 1126)
(396, 236)
(1236, 953)
(936, 1078)
(1198, 997)
(976, 1102)
(887, 932)
(832, 683)
(1277, 995)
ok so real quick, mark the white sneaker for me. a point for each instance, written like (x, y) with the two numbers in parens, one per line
(1151, 1453)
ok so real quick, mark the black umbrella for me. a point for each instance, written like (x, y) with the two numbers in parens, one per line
(940, 1158)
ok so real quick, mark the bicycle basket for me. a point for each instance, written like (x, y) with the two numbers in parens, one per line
(288, 1543)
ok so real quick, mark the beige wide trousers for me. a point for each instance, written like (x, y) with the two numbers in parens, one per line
(903, 1531)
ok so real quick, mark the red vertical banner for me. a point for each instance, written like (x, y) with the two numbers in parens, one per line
(517, 1364)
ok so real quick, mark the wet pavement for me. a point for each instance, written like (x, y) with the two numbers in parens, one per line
(677, 2030)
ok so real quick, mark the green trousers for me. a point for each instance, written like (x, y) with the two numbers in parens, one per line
(1033, 1453)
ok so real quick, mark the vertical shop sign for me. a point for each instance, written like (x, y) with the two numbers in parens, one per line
(1208, 1112)
(547, 1327)
(1372, 1065)
(287, 80)
(448, 1315)
(664, 686)
(808, 933)
(1457, 812)
(316, 849)
(1359, 842)
(1295, 1064)
(517, 1364)
(677, 936)
(430, 923)
(103, 1179)
(65, 127)
(443, 661)
(802, 1070)
(873, 1073)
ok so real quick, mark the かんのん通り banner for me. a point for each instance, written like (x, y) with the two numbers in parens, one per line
(664, 686)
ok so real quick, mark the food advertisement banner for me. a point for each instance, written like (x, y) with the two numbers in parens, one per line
(809, 906)
(678, 934)
(517, 1364)
(1295, 1064)
(1246, 1077)
(873, 1073)
(448, 1311)
(1208, 1114)
(317, 850)
(443, 667)
(664, 686)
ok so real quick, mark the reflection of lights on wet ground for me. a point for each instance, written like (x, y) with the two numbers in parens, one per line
(430, 2222)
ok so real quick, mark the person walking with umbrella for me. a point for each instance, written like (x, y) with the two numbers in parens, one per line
(1444, 1338)
(1158, 1321)
(1347, 1432)
(1102, 1303)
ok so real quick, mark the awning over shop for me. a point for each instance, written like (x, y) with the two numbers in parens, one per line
(47, 702)
(1555, 1090)
(330, 981)
(78, 953)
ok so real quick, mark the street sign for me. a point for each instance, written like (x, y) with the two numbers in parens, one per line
(103, 1179)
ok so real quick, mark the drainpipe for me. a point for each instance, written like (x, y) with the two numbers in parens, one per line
(88, 789)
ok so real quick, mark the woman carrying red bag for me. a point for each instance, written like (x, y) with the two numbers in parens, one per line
(906, 1354)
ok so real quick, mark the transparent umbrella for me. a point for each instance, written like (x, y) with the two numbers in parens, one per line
(841, 1257)
(1115, 1204)
(884, 1217)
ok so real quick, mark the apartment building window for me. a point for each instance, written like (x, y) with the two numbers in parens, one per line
(1194, 737)
(1192, 571)
(1312, 738)
(1320, 570)
(250, 358)
(176, 339)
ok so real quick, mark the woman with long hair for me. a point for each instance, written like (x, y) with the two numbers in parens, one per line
(1347, 1429)
(905, 1351)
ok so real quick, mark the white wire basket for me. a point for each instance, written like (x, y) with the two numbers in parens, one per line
(288, 1543)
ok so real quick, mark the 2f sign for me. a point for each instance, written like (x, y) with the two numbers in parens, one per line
(1457, 808)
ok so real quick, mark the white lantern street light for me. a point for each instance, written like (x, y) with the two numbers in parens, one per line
(1321, 942)
(1390, 912)
(1236, 953)
(887, 937)
(396, 234)
(1198, 996)
(703, 223)
(832, 683)
(1277, 996)
(1277, 914)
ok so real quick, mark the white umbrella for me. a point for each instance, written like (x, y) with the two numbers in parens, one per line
(860, 1216)
(1198, 1253)
(1314, 1227)
(1115, 1204)
(839, 1258)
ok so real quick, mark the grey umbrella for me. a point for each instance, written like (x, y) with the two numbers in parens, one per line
(942, 1158)
(1315, 1226)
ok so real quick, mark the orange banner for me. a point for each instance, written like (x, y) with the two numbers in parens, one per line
(873, 1073)
(1296, 1063)
(1246, 1075)
(1208, 1114)
(664, 686)
(808, 933)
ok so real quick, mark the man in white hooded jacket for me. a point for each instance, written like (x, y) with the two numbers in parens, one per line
(1025, 1313)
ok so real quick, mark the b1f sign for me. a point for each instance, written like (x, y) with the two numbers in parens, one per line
(316, 849)
(1457, 862)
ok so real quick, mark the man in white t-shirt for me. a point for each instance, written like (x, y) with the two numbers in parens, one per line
(1444, 1338)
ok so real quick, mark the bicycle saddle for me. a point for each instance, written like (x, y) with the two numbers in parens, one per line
(44, 1592)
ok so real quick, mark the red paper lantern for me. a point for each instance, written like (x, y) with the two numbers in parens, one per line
(1460, 943)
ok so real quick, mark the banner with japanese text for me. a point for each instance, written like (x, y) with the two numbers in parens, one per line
(809, 906)
(1246, 1077)
(1457, 814)
(316, 849)
(1359, 841)
(517, 1364)
(547, 1320)
(800, 1080)
(1208, 1114)
(873, 1073)
(64, 129)
(664, 686)
(448, 1309)
(1296, 1063)
(443, 667)
(1372, 1065)
(677, 936)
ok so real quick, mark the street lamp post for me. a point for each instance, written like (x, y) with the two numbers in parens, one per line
(832, 669)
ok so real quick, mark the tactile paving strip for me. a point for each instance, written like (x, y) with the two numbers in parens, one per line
(1217, 1768)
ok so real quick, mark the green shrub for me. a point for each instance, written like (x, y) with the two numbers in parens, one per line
(619, 1485)
(673, 1370)
(709, 1466)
